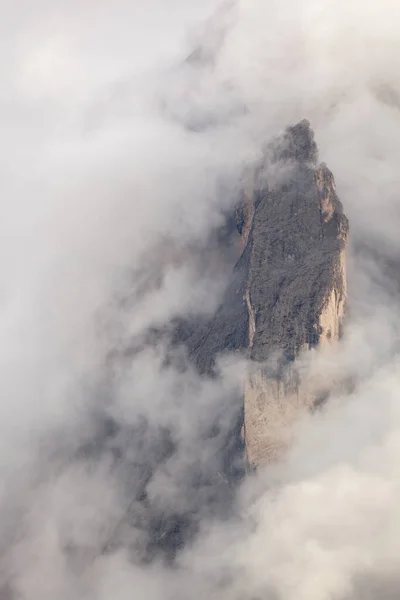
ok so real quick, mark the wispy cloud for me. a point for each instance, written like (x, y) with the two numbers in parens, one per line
(118, 160)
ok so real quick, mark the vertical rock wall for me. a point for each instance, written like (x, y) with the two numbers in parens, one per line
(295, 290)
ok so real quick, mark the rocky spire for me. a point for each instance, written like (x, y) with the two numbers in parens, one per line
(288, 288)
(295, 287)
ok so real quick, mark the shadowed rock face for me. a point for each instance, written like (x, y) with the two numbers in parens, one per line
(297, 244)
(288, 290)
(295, 288)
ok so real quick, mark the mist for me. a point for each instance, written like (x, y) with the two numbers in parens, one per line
(126, 133)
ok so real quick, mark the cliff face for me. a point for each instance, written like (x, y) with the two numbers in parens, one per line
(295, 290)
(288, 289)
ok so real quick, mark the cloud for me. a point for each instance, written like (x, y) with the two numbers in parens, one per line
(118, 160)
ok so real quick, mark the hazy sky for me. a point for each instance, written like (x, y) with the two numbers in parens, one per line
(101, 186)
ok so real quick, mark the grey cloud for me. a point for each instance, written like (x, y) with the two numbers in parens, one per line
(108, 208)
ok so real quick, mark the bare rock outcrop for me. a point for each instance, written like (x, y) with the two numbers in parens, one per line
(288, 290)
(295, 288)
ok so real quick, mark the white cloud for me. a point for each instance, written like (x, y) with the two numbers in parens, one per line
(100, 185)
